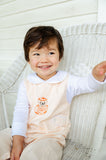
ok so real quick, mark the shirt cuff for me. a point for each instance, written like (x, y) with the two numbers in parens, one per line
(19, 129)
(93, 83)
(99, 82)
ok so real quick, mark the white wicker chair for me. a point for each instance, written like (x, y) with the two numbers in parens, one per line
(85, 46)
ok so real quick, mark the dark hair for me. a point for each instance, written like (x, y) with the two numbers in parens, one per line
(42, 34)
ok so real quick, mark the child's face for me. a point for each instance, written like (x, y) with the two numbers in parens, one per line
(44, 61)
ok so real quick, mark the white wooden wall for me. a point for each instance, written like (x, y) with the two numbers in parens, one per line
(17, 16)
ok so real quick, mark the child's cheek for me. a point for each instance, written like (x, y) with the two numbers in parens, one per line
(33, 62)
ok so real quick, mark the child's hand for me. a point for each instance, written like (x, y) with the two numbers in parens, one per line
(17, 147)
(99, 71)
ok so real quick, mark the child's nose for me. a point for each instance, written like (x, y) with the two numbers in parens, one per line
(44, 58)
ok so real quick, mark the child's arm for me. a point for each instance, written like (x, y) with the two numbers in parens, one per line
(99, 71)
(19, 124)
(81, 85)
(17, 147)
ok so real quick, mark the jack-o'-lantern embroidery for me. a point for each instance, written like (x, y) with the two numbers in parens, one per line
(42, 107)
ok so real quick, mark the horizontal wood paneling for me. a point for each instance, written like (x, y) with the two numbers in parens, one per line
(5, 63)
(19, 32)
(102, 11)
(14, 41)
(11, 44)
(64, 10)
(9, 54)
(26, 5)
(3, 2)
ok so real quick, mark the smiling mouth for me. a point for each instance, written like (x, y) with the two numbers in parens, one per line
(45, 67)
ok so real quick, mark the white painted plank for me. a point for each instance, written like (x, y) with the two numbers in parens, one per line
(101, 11)
(26, 5)
(16, 43)
(20, 31)
(69, 9)
(5, 63)
(11, 44)
(8, 57)
(9, 54)
(73, 21)
(2, 2)
(14, 32)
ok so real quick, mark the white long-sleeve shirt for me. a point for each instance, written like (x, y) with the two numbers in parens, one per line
(76, 85)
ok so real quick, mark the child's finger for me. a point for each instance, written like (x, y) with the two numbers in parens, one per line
(12, 157)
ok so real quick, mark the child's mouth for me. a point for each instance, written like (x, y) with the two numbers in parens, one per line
(44, 67)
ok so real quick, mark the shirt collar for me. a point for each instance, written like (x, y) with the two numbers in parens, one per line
(58, 77)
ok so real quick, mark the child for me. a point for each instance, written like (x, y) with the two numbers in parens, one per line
(41, 117)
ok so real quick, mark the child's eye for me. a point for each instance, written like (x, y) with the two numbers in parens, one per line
(51, 53)
(36, 54)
